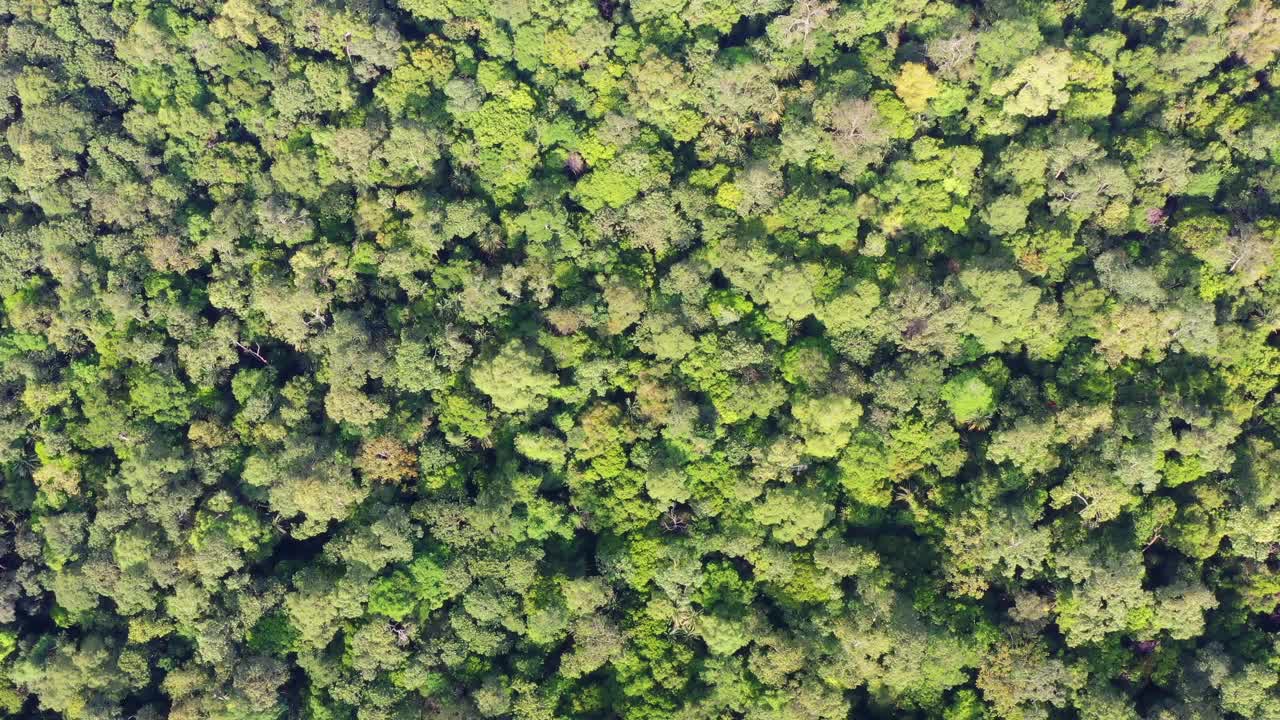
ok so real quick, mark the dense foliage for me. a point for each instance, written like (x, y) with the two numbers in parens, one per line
(639, 359)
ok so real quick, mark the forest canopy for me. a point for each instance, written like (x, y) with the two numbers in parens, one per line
(639, 359)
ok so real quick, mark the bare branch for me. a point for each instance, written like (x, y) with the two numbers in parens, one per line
(256, 351)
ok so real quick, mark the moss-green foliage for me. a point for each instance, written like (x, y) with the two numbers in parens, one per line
(969, 397)
(701, 359)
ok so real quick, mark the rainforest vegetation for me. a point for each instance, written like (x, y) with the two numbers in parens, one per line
(639, 359)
